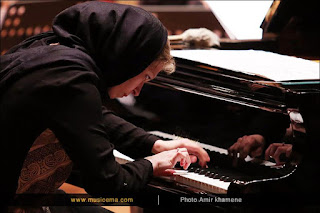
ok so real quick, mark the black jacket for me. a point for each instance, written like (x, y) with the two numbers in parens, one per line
(61, 87)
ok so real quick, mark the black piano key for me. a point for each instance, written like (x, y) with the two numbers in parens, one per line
(222, 177)
(211, 175)
(227, 179)
(216, 176)
(191, 169)
(197, 170)
(202, 172)
(178, 166)
(207, 173)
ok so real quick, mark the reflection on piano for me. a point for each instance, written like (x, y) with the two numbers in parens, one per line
(223, 175)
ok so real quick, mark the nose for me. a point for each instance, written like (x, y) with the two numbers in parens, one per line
(137, 90)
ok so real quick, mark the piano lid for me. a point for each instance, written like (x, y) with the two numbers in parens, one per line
(268, 65)
(291, 15)
(258, 79)
(289, 29)
(294, 24)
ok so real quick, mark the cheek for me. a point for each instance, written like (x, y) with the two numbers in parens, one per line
(116, 91)
(140, 85)
(127, 87)
(111, 92)
(134, 85)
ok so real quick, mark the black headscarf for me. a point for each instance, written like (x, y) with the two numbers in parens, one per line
(123, 40)
(116, 42)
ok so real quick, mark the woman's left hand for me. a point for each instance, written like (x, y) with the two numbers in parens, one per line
(195, 151)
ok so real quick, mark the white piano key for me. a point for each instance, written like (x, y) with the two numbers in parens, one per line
(202, 182)
(177, 172)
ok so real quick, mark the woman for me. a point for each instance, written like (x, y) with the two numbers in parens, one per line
(58, 80)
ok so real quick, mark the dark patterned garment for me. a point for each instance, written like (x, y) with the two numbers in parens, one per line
(46, 167)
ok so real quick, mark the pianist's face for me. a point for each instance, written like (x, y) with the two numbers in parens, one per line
(134, 85)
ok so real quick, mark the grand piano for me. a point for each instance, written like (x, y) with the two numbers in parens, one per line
(214, 108)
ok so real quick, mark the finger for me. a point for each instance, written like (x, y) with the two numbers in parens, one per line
(177, 156)
(277, 154)
(244, 152)
(240, 139)
(252, 143)
(193, 158)
(255, 153)
(289, 151)
(235, 149)
(182, 156)
(278, 144)
(197, 150)
(245, 138)
(182, 162)
(267, 153)
(230, 150)
(200, 153)
(273, 149)
(270, 151)
(185, 160)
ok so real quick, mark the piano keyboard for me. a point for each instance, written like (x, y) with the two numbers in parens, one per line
(208, 147)
(217, 178)
(185, 177)
(202, 182)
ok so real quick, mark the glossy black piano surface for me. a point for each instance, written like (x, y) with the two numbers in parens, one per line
(216, 109)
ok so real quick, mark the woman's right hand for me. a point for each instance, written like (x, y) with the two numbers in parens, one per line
(164, 162)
